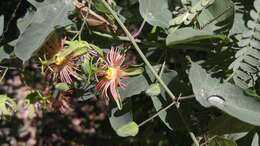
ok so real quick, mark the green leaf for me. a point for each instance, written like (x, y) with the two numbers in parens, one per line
(219, 11)
(135, 85)
(62, 86)
(1, 24)
(189, 35)
(132, 71)
(189, 15)
(31, 111)
(256, 140)
(160, 101)
(122, 121)
(3, 54)
(7, 106)
(24, 22)
(48, 17)
(155, 12)
(226, 97)
(153, 89)
(129, 129)
(219, 141)
(40, 4)
(251, 139)
(219, 126)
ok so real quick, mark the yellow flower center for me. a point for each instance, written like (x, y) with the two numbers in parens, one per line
(112, 73)
(59, 60)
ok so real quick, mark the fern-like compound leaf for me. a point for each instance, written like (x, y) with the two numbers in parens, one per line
(247, 63)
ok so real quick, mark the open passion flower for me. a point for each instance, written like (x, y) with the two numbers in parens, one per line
(62, 66)
(112, 76)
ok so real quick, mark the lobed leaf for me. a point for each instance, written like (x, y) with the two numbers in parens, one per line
(50, 15)
(226, 97)
(155, 12)
(247, 58)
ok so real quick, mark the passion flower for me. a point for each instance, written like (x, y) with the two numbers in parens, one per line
(112, 76)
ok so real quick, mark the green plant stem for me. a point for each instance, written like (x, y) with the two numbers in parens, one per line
(164, 109)
(168, 91)
(5, 71)
(157, 114)
(121, 38)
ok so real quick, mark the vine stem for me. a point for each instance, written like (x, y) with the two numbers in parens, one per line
(121, 38)
(168, 91)
(157, 114)
(4, 73)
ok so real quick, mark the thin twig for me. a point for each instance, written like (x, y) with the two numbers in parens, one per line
(164, 109)
(121, 38)
(4, 67)
(139, 30)
(186, 97)
(157, 114)
(79, 5)
(80, 31)
(208, 141)
(162, 69)
(5, 71)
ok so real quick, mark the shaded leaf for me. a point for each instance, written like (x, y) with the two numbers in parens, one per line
(135, 85)
(1, 24)
(188, 35)
(219, 141)
(46, 19)
(219, 126)
(160, 101)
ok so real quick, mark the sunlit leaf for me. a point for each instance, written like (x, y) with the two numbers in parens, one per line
(155, 12)
(132, 71)
(153, 90)
(3, 54)
(62, 86)
(122, 121)
(229, 98)
(7, 106)
(129, 129)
